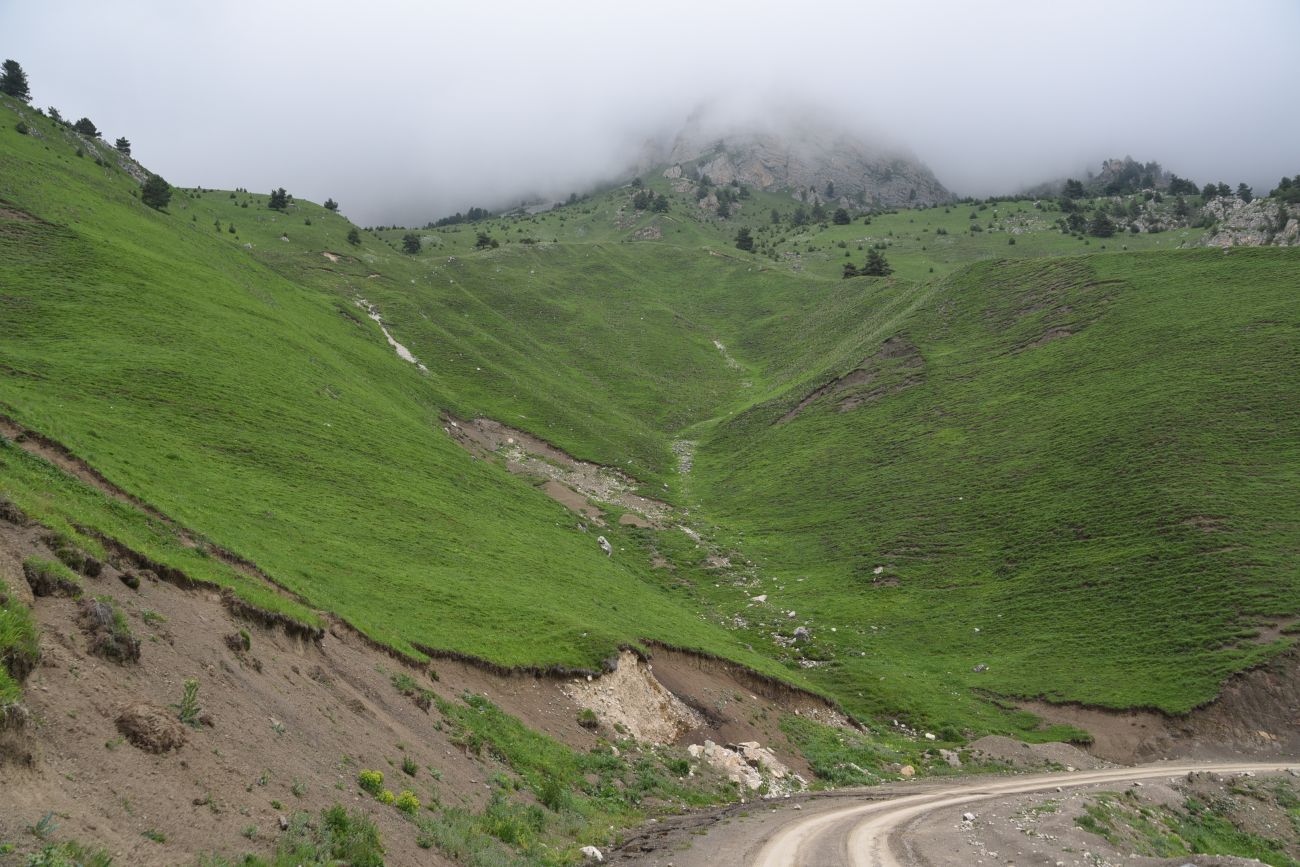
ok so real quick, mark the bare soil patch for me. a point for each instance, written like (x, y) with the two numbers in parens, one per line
(532, 456)
(1257, 712)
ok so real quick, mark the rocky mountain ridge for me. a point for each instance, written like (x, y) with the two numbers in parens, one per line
(811, 157)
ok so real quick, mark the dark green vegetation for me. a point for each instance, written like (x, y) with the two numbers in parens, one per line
(1015, 464)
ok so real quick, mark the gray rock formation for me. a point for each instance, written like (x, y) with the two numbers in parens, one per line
(1255, 224)
(800, 153)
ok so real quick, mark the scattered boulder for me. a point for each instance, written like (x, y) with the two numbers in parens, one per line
(750, 765)
(801, 634)
(151, 728)
(907, 772)
(605, 546)
(979, 669)
(592, 855)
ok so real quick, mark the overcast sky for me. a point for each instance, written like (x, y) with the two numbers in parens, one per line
(408, 111)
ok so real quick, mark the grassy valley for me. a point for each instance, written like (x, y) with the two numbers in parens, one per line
(1028, 464)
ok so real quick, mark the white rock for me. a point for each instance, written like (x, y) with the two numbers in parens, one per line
(591, 853)
(761, 598)
(968, 817)
(929, 736)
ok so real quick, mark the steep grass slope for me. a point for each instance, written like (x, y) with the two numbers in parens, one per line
(1081, 473)
(273, 417)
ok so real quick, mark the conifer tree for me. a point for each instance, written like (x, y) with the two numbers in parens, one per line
(123, 146)
(877, 265)
(156, 192)
(13, 81)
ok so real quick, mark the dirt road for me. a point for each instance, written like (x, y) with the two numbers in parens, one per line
(871, 831)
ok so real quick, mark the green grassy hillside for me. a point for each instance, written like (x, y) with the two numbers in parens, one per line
(272, 417)
(1050, 459)
(1084, 477)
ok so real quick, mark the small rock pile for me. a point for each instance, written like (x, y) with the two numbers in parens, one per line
(750, 765)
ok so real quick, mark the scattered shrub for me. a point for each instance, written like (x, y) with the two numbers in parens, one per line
(69, 854)
(188, 710)
(407, 802)
(130, 580)
(409, 766)
(587, 718)
(386, 797)
(340, 838)
(371, 781)
(21, 128)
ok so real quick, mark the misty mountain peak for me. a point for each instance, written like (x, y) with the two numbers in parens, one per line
(801, 150)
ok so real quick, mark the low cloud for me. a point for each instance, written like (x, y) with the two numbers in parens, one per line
(404, 112)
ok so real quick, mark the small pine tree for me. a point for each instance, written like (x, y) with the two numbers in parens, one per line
(86, 128)
(331, 205)
(55, 116)
(661, 204)
(876, 266)
(123, 146)
(13, 81)
(744, 240)
(156, 192)
(482, 240)
(1245, 193)
(840, 217)
(850, 270)
(1073, 189)
(1101, 225)
(354, 237)
(411, 243)
(279, 200)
